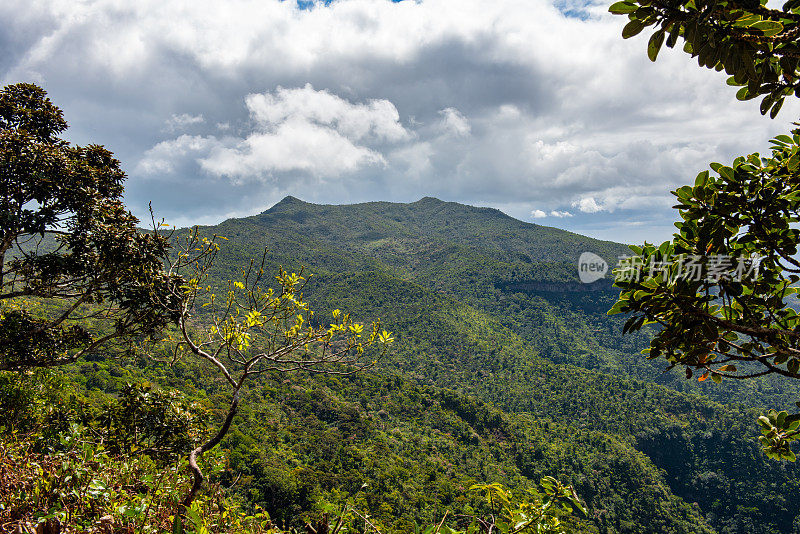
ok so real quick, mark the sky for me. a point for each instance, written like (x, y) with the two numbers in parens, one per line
(538, 108)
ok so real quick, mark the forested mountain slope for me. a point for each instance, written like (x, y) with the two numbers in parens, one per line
(489, 308)
(522, 274)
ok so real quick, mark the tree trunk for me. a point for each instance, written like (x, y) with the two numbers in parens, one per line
(195, 455)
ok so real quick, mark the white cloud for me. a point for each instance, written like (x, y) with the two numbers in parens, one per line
(164, 157)
(293, 145)
(454, 122)
(587, 205)
(560, 214)
(293, 129)
(541, 214)
(378, 119)
(179, 122)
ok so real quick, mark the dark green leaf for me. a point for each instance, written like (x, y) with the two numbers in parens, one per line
(654, 45)
(768, 27)
(632, 28)
(622, 8)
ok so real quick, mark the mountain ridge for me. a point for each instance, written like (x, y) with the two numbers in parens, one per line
(432, 219)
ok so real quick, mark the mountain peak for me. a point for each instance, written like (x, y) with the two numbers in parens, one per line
(289, 199)
(429, 200)
(286, 202)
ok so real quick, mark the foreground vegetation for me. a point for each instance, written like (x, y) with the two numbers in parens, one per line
(88, 462)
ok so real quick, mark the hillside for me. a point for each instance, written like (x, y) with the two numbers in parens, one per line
(522, 274)
(489, 307)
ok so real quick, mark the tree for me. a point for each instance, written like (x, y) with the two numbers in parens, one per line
(756, 45)
(77, 274)
(721, 292)
(254, 329)
(68, 246)
(537, 512)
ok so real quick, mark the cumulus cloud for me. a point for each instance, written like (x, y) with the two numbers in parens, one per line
(293, 129)
(293, 145)
(541, 214)
(587, 205)
(378, 119)
(536, 106)
(166, 156)
(538, 214)
(560, 214)
(454, 122)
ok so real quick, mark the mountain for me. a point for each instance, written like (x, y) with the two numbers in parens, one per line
(523, 275)
(488, 309)
(407, 238)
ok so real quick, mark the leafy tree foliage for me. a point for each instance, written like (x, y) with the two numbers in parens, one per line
(755, 44)
(67, 240)
(718, 325)
(532, 514)
(71, 474)
(734, 316)
(743, 215)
